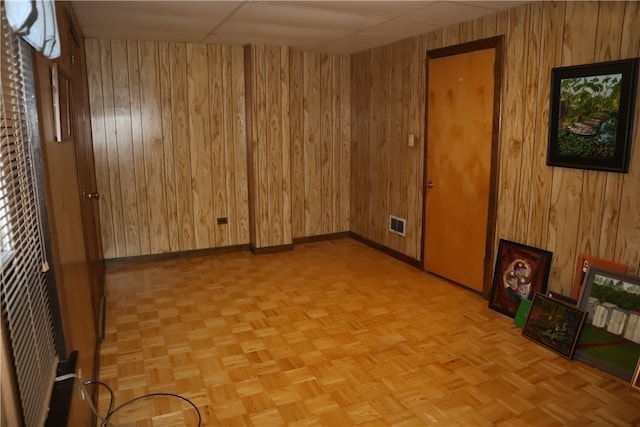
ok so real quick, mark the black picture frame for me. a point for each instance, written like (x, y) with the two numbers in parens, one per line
(610, 337)
(591, 115)
(554, 324)
(530, 278)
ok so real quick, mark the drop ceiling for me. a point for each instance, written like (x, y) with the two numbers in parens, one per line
(324, 26)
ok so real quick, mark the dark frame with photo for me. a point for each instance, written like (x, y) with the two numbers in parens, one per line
(610, 337)
(554, 324)
(520, 272)
(591, 115)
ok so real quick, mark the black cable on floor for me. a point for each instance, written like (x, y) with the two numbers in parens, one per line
(112, 410)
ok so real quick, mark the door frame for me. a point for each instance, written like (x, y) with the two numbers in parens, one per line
(488, 43)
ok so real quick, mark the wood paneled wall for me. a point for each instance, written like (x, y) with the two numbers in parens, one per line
(267, 76)
(170, 132)
(388, 105)
(170, 147)
(566, 211)
(320, 108)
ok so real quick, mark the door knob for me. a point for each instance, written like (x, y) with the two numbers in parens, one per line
(93, 196)
(429, 184)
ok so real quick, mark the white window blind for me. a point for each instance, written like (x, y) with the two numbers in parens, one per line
(23, 292)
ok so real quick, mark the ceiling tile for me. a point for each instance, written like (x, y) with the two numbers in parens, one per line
(275, 34)
(399, 29)
(302, 17)
(354, 43)
(447, 13)
(331, 26)
(382, 9)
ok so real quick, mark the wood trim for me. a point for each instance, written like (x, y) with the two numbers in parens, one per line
(113, 262)
(271, 249)
(321, 238)
(388, 251)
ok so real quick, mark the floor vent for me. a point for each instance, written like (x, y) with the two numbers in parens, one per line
(397, 225)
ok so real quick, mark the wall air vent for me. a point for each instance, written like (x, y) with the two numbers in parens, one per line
(397, 225)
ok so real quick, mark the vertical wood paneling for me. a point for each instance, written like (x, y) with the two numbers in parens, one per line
(168, 148)
(415, 78)
(320, 155)
(271, 159)
(567, 191)
(152, 141)
(344, 126)
(296, 93)
(312, 145)
(170, 145)
(627, 249)
(360, 141)
(379, 202)
(217, 138)
(608, 44)
(124, 124)
(285, 161)
(237, 115)
(274, 146)
(593, 185)
(326, 146)
(549, 15)
(199, 122)
(398, 138)
(140, 205)
(228, 233)
(181, 145)
(563, 210)
(511, 150)
(261, 173)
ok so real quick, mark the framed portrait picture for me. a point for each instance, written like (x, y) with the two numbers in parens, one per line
(520, 272)
(554, 324)
(591, 115)
(582, 267)
(610, 337)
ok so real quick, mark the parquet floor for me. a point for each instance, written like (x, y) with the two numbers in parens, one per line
(335, 334)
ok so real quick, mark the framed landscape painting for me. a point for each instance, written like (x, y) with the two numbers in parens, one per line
(520, 272)
(591, 115)
(610, 338)
(582, 267)
(554, 324)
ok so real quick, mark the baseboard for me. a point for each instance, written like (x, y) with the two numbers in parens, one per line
(388, 251)
(173, 255)
(271, 249)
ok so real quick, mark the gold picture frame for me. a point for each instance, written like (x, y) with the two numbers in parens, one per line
(635, 381)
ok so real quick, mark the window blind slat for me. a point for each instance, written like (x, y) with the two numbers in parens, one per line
(23, 291)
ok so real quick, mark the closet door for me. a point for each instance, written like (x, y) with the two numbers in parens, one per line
(89, 196)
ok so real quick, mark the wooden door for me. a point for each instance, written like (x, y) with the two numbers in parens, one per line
(460, 113)
(86, 175)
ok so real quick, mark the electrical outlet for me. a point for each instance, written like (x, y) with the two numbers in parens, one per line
(223, 220)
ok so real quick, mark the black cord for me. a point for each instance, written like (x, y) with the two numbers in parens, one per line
(112, 411)
(146, 396)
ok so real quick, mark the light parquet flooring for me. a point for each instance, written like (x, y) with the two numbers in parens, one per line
(334, 333)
